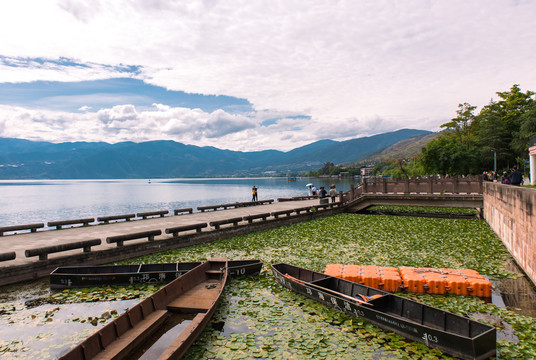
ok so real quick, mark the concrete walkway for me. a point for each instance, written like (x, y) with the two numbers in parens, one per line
(26, 240)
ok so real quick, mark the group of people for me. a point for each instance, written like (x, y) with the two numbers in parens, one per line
(514, 178)
(322, 193)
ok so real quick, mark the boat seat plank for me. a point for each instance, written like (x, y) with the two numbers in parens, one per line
(132, 338)
(214, 272)
(174, 350)
(197, 299)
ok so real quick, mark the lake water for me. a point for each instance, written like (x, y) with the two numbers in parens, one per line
(32, 201)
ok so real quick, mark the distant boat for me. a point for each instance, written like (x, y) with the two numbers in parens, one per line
(68, 277)
(292, 178)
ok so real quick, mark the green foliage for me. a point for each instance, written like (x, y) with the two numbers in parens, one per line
(468, 144)
(399, 168)
(423, 210)
(331, 169)
(361, 239)
(261, 319)
(460, 125)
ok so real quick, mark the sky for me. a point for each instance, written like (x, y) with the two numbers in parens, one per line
(254, 75)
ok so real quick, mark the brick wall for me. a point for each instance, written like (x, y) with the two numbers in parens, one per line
(511, 213)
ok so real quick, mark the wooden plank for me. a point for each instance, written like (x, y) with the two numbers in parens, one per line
(131, 339)
(178, 347)
(199, 298)
(92, 346)
(107, 334)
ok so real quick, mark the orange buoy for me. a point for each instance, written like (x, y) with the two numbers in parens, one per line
(418, 280)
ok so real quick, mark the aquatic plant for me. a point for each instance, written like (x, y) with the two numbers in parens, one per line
(424, 210)
(257, 318)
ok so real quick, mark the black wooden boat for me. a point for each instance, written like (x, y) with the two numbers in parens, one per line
(196, 294)
(453, 334)
(87, 276)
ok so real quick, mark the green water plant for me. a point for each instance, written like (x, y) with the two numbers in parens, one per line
(423, 210)
(257, 318)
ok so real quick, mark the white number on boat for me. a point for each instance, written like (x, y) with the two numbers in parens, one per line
(427, 337)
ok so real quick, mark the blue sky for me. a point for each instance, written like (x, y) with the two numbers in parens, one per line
(98, 94)
(246, 75)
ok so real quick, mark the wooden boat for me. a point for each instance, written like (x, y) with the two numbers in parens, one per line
(87, 276)
(195, 293)
(453, 334)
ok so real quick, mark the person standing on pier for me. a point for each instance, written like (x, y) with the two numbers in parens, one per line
(254, 194)
(333, 193)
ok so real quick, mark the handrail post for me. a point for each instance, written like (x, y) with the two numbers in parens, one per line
(455, 184)
(365, 190)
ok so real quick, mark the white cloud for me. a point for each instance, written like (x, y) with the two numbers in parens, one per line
(356, 67)
(127, 123)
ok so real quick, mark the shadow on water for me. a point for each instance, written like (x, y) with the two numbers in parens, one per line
(518, 295)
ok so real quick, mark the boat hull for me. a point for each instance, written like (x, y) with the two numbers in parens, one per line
(88, 276)
(450, 333)
(196, 293)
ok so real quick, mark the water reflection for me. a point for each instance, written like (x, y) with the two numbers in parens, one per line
(162, 339)
(516, 294)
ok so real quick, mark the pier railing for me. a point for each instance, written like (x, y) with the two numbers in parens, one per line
(424, 185)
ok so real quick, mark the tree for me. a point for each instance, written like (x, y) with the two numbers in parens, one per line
(502, 125)
(459, 126)
(520, 142)
(469, 141)
(452, 152)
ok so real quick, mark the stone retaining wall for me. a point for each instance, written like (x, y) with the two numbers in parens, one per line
(511, 213)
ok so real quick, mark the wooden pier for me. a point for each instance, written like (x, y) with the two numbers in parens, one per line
(32, 254)
(32, 251)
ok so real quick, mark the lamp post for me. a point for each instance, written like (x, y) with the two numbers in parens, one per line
(494, 160)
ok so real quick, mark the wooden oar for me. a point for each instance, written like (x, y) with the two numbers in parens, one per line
(357, 301)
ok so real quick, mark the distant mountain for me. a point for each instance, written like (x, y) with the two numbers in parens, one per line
(403, 149)
(23, 159)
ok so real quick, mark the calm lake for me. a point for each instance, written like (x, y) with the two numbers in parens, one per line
(31, 201)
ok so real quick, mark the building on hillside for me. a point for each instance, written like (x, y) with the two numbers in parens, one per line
(365, 171)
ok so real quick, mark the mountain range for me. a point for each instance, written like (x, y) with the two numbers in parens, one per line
(24, 159)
